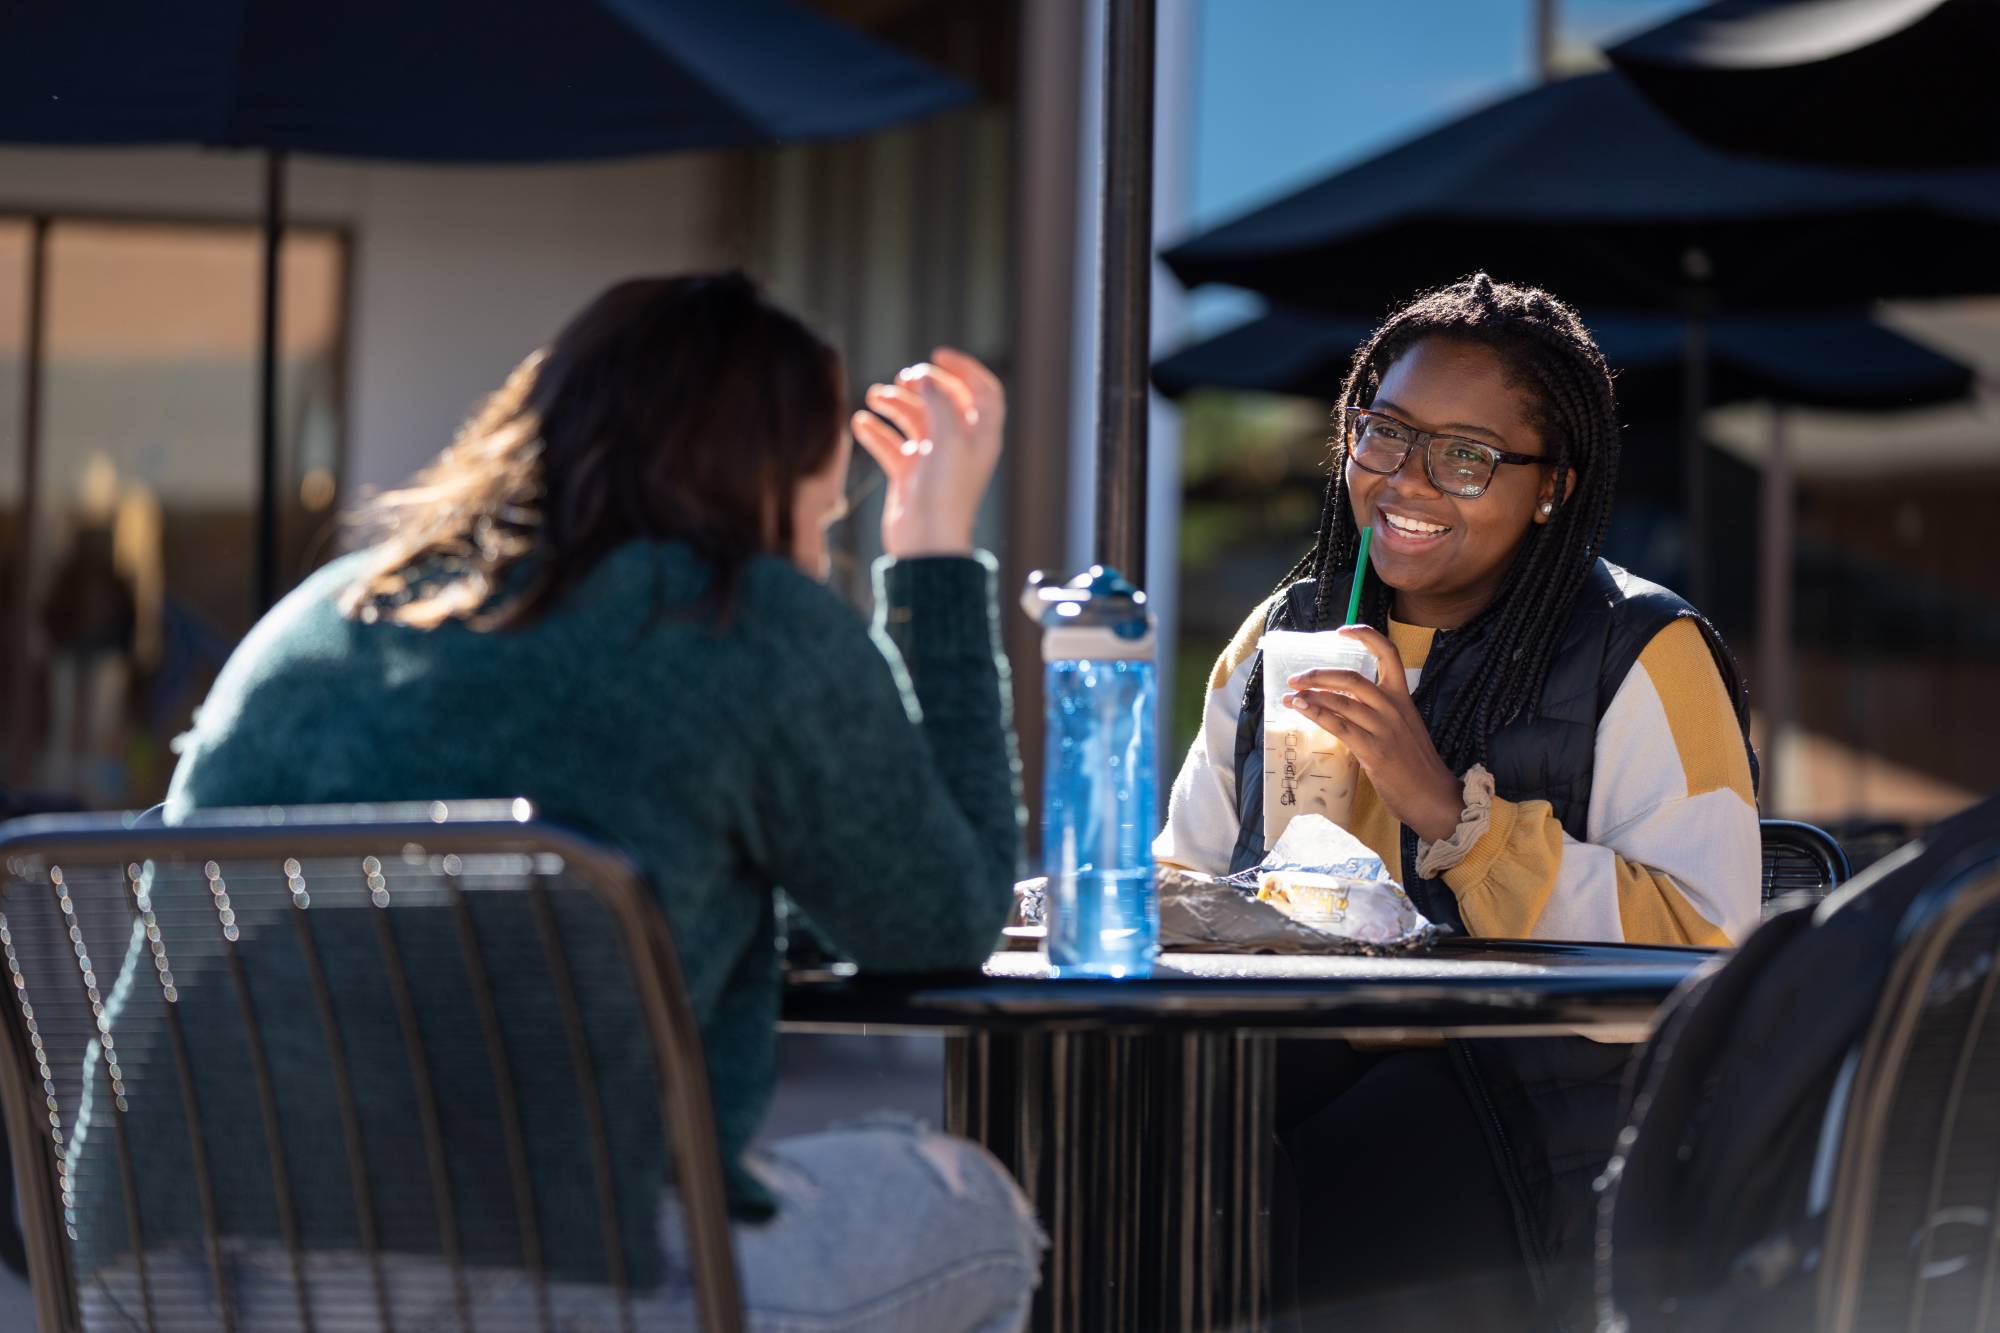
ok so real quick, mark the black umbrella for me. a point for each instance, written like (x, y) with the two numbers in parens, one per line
(1880, 83)
(1584, 187)
(1843, 361)
(451, 80)
(442, 80)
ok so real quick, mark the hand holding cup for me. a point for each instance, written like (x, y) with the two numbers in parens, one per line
(1377, 720)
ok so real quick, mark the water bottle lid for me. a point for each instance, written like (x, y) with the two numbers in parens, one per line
(1098, 598)
(1096, 616)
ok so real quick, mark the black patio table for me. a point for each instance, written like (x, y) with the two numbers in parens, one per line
(1137, 1114)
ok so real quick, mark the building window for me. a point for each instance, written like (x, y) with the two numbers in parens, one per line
(128, 476)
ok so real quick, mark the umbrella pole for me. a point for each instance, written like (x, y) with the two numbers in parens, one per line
(21, 669)
(1698, 302)
(267, 386)
(1544, 38)
(1774, 605)
(1125, 264)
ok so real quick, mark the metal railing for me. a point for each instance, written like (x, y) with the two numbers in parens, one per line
(1799, 858)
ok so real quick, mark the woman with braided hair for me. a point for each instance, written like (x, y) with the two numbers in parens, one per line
(1556, 750)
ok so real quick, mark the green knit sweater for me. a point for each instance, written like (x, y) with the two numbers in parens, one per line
(870, 774)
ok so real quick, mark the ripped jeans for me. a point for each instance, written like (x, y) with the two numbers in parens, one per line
(882, 1226)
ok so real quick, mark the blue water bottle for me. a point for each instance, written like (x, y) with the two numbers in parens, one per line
(1099, 775)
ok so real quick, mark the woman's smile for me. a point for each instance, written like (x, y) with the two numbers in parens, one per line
(1407, 530)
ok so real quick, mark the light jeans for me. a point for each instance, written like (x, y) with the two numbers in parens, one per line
(883, 1226)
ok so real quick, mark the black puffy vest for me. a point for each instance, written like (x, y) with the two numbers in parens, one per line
(1550, 1105)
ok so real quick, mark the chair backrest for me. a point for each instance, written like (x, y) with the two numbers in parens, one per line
(1800, 858)
(410, 1067)
(1911, 1242)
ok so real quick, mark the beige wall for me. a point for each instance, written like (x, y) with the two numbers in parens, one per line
(456, 272)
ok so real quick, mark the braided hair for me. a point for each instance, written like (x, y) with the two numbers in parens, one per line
(1550, 353)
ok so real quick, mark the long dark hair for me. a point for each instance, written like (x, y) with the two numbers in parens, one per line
(1548, 350)
(685, 408)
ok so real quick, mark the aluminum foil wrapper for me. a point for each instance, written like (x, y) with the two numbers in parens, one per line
(1367, 911)
(1031, 902)
(1207, 914)
(1317, 845)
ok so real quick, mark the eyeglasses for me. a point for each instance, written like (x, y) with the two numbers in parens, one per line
(1455, 465)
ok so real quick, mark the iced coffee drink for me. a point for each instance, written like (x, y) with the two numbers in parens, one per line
(1307, 770)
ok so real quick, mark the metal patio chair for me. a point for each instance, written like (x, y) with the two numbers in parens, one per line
(1799, 858)
(1911, 1239)
(438, 1063)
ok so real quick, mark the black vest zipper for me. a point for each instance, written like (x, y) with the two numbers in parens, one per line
(1506, 1162)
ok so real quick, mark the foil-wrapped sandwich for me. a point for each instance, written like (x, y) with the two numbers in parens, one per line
(1373, 911)
(1304, 896)
(1319, 891)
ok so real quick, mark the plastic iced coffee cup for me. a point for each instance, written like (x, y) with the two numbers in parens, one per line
(1307, 770)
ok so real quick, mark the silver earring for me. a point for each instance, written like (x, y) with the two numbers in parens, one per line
(1548, 508)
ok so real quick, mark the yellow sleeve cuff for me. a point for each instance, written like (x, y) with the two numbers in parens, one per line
(1504, 881)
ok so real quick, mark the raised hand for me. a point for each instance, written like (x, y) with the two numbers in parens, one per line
(947, 416)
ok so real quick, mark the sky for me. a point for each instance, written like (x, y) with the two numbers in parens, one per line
(1288, 91)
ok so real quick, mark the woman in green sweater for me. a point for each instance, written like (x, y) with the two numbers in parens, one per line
(606, 596)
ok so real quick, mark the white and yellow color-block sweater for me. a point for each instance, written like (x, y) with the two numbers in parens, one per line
(1671, 855)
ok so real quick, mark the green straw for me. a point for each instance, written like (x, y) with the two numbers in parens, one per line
(1360, 573)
